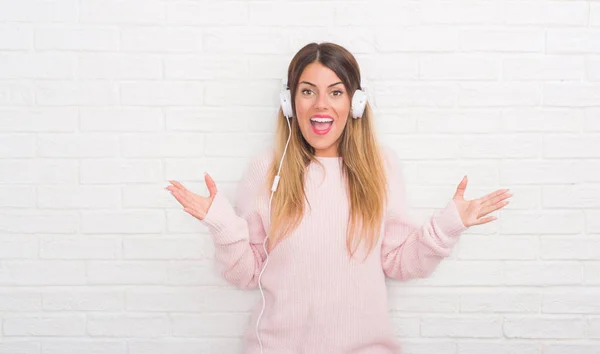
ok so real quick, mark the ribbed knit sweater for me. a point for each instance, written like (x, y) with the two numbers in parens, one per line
(319, 301)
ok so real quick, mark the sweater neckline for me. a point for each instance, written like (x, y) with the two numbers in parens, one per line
(333, 158)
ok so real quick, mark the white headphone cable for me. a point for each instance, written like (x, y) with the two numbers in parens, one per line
(273, 188)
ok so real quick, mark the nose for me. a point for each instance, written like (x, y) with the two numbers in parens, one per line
(322, 102)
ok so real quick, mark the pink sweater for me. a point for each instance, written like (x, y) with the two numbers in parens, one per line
(317, 300)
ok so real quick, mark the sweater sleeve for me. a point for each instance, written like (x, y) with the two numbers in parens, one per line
(238, 232)
(410, 250)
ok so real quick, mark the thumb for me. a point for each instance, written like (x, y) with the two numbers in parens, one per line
(460, 190)
(212, 187)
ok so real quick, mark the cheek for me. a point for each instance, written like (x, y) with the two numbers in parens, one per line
(342, 107)
(301, 107)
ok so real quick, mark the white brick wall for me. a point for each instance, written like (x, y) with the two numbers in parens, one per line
(101, 102)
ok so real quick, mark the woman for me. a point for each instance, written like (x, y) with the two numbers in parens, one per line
(336, 225)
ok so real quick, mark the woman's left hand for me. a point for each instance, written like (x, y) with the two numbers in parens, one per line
(473, 212)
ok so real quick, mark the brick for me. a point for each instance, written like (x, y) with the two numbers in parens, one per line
(31, 119)
(83, 299)
(460, 327)
(582, 301)
(571, 196)
(498, 247)
(209, 324)
(16, 36)
(543, 68)
(135, 12)
(551, 13)
(81, 145)
(14, 300)
(45, 325)
(246, 41)
(493, 347)
(37, 273)
(153, 39)
(66, 93)
(459, 67)
(121, 171)
(572, 146)
(571, 95)
(19, 246)
(544, 327)
(119, 67)
(77, 38)
(40, 11)
(38, 65)
(69, 346)
(541, 120)
(30, 222)
(122, 222)
(207, 13)
(163, 93)
(543, 273)
(79, 247)
(500, 302)
(128, 325)
(126, 272)
(204, 67)
(498, 94)
(573, 41)
(121, 119)
(17, 146)
(501, 40)
(464, 12)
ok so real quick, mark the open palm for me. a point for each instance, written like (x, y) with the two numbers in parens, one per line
(194, 204)
(473, 212)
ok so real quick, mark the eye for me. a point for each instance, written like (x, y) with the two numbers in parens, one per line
(304, 91)
(337, 92)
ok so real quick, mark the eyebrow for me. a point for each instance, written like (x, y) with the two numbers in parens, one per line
(311, 84)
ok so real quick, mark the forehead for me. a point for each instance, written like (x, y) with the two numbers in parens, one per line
(319, 74)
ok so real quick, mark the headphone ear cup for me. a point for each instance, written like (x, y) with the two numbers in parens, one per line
(286, 103)
(359, 102)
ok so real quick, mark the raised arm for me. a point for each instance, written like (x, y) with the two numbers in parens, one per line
(238, 232)
(410, 250)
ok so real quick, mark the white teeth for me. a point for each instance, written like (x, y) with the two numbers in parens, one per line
(322, 120)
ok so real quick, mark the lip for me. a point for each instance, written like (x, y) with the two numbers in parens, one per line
(322, 116)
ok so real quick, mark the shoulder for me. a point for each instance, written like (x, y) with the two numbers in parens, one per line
(254, 179)
(257, 169)
(260, 162)
(389, 157)
(386, 151)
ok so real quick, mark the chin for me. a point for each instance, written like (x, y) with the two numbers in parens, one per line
(324, 142)
(322, 145)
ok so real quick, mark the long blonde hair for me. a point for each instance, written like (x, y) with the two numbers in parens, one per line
(362, 164)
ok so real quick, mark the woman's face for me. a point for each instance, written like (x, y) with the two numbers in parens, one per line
(321, 96)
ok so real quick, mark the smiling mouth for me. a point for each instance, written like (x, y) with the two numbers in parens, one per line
(321, 128)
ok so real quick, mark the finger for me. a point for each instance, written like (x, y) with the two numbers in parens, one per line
(492, 195)
(173, 189)
(460, 190)
(178, 185)
(181, 198)
(485, 220)
(495, 200)
(488, 209)
(184, 191)
(212, 186)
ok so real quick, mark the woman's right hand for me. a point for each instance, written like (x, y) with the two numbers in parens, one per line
(192, 203)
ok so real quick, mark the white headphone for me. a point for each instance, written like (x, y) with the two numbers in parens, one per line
(359, 101)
